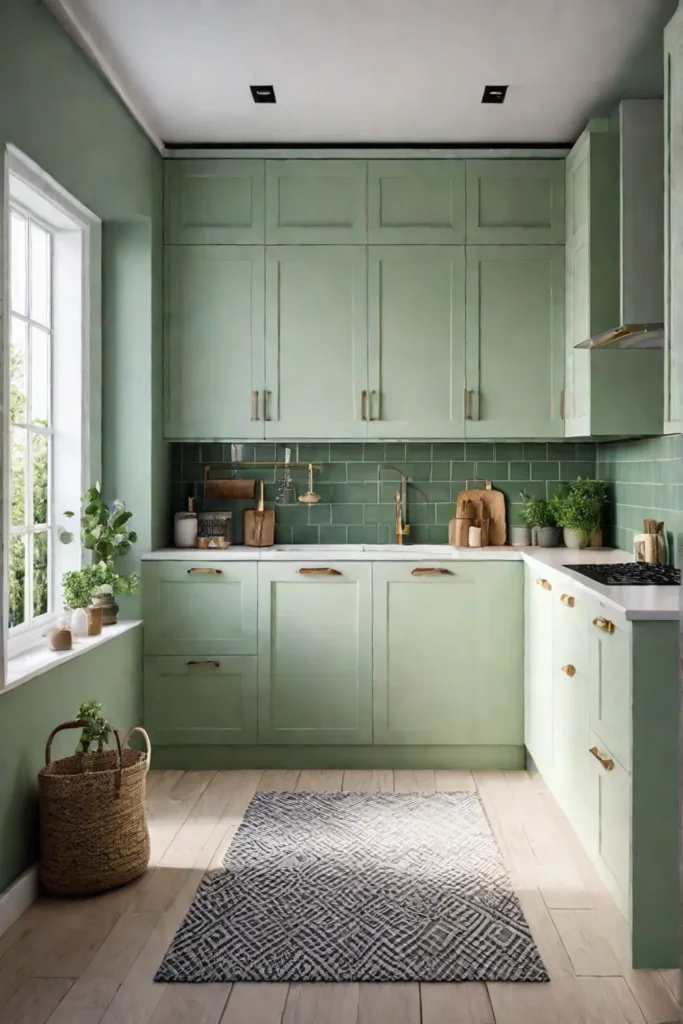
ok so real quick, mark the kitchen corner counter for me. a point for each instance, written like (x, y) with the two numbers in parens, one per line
(653, 603)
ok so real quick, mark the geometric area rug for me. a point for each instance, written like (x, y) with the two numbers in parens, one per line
(357, 887)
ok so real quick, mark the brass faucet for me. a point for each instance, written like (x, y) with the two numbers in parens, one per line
(402, 528)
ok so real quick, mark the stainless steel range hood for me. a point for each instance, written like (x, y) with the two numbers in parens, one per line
(639, 321)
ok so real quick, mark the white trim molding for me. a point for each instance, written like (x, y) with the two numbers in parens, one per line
(84, 33)
(18, 897)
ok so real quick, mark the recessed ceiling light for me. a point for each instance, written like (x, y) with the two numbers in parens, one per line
(263, 93)
(494, 93)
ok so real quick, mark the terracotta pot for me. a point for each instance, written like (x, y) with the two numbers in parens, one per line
(95, 616)
(61, 639)
(109, 607)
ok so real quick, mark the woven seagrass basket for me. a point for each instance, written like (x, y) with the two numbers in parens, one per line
(93, 829)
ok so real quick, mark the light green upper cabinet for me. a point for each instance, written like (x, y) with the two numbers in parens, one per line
(199, 608)
(214, 202)
(515, 201)
(673, 222)
(316, 341)
(320, 202)
(315, 652)
(416, 340)
(430, 687)
(515, 345)
(416, 201)
(213, 342)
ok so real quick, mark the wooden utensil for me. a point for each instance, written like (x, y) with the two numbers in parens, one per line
(310, 497)
(259, 524)
(494, 502)
(459, 531)
(238, 489)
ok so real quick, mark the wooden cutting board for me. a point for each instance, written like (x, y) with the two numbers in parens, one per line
(494, 504)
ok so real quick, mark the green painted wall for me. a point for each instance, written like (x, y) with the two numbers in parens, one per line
(357, 505)
(58, 109)
(111, 674)
(645, 479)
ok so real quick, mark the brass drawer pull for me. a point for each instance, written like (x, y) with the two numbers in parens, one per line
(266, 396)
(606, 762)
(569, 670)
(431, 571)
(364, 404)
(206, 571)
(568, 600)
(324, 570)
(375, 395)
(604, 624)
(254, 406)
(468, 404)
(546, 584)
(204, 664)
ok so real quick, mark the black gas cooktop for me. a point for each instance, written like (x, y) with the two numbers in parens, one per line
(630, 574)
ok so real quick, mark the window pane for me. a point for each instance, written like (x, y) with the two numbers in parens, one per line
(40, 583)
(39, 283)
(39, 454)
(17, 580)
(18, 474)
(40, 376)
(17, 370)
(17, 258)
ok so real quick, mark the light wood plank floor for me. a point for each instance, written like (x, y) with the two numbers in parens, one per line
(92, 962)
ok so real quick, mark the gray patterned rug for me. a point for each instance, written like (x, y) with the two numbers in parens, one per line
(357, 887)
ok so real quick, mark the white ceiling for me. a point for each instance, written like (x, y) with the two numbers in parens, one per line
(364, 71)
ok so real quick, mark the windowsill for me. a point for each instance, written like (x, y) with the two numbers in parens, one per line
(39, 659)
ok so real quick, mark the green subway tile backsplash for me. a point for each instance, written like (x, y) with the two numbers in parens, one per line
(644, 480)
(358, 488)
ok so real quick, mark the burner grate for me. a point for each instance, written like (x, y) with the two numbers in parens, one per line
(630, 574)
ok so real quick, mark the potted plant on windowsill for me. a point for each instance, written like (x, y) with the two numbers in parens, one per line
(539, 516)
(77, 589)
(105, 532)
(578, 508)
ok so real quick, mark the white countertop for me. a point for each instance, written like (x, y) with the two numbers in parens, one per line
(637, 603)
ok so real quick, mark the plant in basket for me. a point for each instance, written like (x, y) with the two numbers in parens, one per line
(96, 729)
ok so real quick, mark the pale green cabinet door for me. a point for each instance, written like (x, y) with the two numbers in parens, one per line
(612, 787)
(200, 700)
(448, 653)
(417, 340)
(673, 222)
(213, 202)
(515, 202)
(199, 607)
(538, 668)
(315, 653)
(316, 202)
(610, 681)
(515, 340)
(213, 342)
(416, 201)
(316, 341)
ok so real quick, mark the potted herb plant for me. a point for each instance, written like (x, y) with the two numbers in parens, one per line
(77, 589)
(578, 508)
(105, 532)
(539, 516)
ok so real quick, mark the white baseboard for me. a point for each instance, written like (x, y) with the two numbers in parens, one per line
(18, 897)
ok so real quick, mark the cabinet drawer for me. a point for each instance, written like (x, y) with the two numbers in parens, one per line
(613, 787)
(570, 628)
(610, 681)
(199, 608)
(200, 700)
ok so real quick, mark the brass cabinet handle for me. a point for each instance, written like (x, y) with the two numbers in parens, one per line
(431, 571)
(206, 571)
(546, 584)
(569, 670)
(204, 664)
(568, 600)
(254, 406)
(604, 624)
(375, 395)
(606, 762)
(468, 404)
(323, 570)
(563, 405)
(266, 396)
(364, 404)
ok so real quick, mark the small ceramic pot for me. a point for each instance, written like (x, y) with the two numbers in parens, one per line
(575, 539)
(520, 536)
(547, 536)
(61, 639)
(94, 613)
(79, 622)
(109, 607)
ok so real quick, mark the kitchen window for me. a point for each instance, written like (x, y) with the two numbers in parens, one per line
(50, 333)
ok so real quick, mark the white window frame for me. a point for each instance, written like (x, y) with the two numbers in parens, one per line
(75, 372)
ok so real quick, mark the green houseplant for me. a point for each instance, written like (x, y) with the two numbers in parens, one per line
(96, 729)
(539, 516)
(578, 508)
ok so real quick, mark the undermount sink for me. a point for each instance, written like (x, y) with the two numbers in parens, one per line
(443, 550)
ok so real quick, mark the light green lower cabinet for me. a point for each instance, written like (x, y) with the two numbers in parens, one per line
(538, 668)
(315, 653)
(199, 701)
(612, 792)
(448, 653)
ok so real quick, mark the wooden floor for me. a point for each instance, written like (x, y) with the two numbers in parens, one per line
(92, 962)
